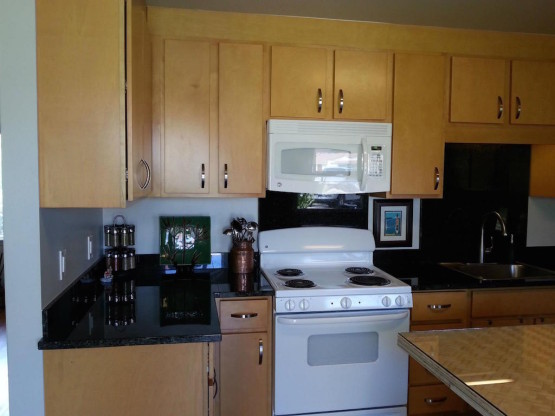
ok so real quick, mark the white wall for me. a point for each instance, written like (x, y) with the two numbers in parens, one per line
(541, 222)
(67, 229)
(21, 205)
(144, 215)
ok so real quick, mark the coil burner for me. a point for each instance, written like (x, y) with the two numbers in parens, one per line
(365, 280)
(289, 272)
(299, 283)
(359, 270)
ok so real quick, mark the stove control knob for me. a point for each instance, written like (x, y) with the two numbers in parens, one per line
(304, 304)
(289, 305)
(346, 303)
(386, 301)
(399, 301)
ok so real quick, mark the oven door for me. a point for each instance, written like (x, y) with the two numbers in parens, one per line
(340, 362)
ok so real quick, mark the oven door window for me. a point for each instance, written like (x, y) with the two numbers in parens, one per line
(337, 349)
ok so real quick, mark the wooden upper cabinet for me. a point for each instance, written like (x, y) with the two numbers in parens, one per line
(362, 85)
(81, 103)
(303, 79)
(478, 90)
(532, 92)
(542, 174)
(139, 102)
(298, 82)
(185, 147)
(241, 125)
(418, 125)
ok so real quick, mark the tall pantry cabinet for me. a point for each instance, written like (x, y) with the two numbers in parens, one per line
(89, 128)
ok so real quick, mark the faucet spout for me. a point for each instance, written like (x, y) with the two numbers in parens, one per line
(503, 230)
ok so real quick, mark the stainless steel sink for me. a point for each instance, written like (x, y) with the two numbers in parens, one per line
(495, 271)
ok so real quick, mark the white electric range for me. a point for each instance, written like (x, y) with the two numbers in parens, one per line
(336, 320)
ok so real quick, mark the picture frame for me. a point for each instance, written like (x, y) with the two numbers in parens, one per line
(392, 222)
(185, 240)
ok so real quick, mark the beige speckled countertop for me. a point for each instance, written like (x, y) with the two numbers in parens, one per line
(498, 371)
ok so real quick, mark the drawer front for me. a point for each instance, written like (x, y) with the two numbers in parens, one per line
(244, 315)
(521, 302)
(434, 399)
(439, 306)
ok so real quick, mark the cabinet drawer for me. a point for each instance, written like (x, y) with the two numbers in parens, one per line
(434, 399)
(439, 306)
(244, 315)
(521, 302)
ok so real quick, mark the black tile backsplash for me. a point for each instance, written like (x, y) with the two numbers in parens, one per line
(479, 178)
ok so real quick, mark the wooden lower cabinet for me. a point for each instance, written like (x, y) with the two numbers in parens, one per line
(433, 311)
(165, 379)
(245, 357)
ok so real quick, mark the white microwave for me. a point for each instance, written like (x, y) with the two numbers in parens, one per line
(328, 157)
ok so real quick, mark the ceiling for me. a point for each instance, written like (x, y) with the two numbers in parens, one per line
(529, 16)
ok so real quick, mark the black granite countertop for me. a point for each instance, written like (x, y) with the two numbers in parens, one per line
(151, 304)
(425, 275)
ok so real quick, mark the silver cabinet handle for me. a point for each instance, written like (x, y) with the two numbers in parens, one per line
(148, 175)
(225, 176)
(439, 307)
(518, 108)
(341, 101)
(436, 172)
(244, 315)
(432, 401)
(499, 107)
(320, 100)
(260, 351)
(213, 382)
(202, 176)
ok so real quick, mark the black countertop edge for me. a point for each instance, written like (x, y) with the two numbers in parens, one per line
(128, 342)
(67, 321)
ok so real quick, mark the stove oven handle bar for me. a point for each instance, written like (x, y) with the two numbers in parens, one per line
(343, 320)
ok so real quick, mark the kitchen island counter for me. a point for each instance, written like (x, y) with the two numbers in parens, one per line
(498, 371)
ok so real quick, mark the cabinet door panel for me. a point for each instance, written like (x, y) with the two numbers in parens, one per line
(186, 140)
(532, 84)
(81, 104)
(139, 102)
(478, 90)
(241, 125)
(417, 158)
(542, 174)
(297, 75)
(244, 378)
(363, 79)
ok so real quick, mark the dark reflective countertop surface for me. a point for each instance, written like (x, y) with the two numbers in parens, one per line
(151, 304)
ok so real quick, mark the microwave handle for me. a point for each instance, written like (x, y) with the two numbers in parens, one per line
(365, 164)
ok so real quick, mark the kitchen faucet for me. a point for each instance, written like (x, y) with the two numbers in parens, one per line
(503, 230)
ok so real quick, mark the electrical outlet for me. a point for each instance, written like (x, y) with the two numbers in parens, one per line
(62, 263)
(89, 247)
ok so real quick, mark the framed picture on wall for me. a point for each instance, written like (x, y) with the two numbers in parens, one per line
(392, 222)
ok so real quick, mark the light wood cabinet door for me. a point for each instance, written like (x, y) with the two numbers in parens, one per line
(418, 123)
(185, 147)
(298, 82)
(81, 103)
(244, 374)
(532, 92)
(478, 90)
(542, 174)
(139, 102)
(241, 127)
(362, 85)
(169, 379)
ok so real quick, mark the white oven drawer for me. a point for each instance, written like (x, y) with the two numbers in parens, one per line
(340, 361)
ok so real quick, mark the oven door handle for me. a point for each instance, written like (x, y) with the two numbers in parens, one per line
(343, 320)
